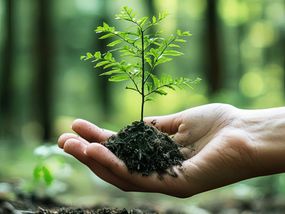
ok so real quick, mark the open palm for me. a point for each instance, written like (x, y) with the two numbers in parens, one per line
(218, 152)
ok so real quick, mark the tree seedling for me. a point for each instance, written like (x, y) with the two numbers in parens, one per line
(143, 148)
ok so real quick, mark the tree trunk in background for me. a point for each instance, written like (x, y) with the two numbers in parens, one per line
(150, 8)
(43, 83)
(103, 83)
(6, 114)
(151, 12)
(240, 64)
(214, 75)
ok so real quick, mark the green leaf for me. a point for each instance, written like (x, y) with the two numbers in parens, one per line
(102, 63)
(48, 178)
(105, 25)
(162, 60)
(108, 35)
(126, 14)
(105, 28)
(98, 55)
(108, 56)
(195, 81)
(82, 57)
(154, 52)
(180, 40)
(99, 29)
(149, 86)
(171, 87)
(112, 44)
(111, 72)
(112, 64)
(178, 32)
(155, 80)
(162, 15)
(37, 172)
(142, 21)
(89, 55)
(160, 92)
(149, 99)
(186, 33)
(119, 78)
(172, 53)
(149, 61)
(153, 20)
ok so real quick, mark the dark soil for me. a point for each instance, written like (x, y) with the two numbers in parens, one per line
(34, 205)
(144, 149)
(275, 205)
(17, 203)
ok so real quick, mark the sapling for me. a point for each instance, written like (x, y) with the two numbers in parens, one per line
(141, 49)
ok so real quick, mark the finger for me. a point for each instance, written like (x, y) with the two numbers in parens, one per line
(149, 183)
(182, 138)
(103, 155)
(91, 132)
(107, 159)
(66, 136)
(77, 149)
(168, 123)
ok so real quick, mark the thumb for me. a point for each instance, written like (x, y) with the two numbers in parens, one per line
(167, 123)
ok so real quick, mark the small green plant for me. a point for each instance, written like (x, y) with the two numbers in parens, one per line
(48, 173)
(141, 51)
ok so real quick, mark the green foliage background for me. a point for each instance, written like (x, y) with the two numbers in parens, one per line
(250, 54)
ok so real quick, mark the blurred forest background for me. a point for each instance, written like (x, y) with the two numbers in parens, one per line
(237, 48)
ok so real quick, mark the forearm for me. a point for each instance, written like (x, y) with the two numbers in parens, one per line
(266, 131)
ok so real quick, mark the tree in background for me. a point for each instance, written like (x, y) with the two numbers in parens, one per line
(44, 73)
(103, 83)
(6, 87)
(214, 74)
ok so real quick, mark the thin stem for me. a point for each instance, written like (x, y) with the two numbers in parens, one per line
(143, 74)
(134, 82)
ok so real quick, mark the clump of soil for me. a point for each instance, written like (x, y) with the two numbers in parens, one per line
(144, 149)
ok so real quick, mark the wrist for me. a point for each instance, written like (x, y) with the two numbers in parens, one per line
(266, 133)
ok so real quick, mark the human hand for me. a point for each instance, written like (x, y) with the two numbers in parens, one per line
(219, 152)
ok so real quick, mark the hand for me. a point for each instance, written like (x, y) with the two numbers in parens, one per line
(219, 152)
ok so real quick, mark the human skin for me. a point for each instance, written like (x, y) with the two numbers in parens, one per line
(222, 144)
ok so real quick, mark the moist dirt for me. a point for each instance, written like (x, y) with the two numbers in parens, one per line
(144, 149)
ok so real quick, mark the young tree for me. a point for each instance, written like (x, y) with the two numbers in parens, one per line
(141, 53)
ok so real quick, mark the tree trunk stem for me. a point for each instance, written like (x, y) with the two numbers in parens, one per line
(143, 76)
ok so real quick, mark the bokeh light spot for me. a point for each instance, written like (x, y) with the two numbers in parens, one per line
(252, 84)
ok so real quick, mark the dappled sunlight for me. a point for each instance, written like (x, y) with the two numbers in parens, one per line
(262, 35)
(234, 12)
(252, 84)
(63, 124)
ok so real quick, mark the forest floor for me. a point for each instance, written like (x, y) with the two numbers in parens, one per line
(34, 205)
(84, 193)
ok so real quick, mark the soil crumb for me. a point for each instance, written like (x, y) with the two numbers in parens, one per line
(144, 149)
